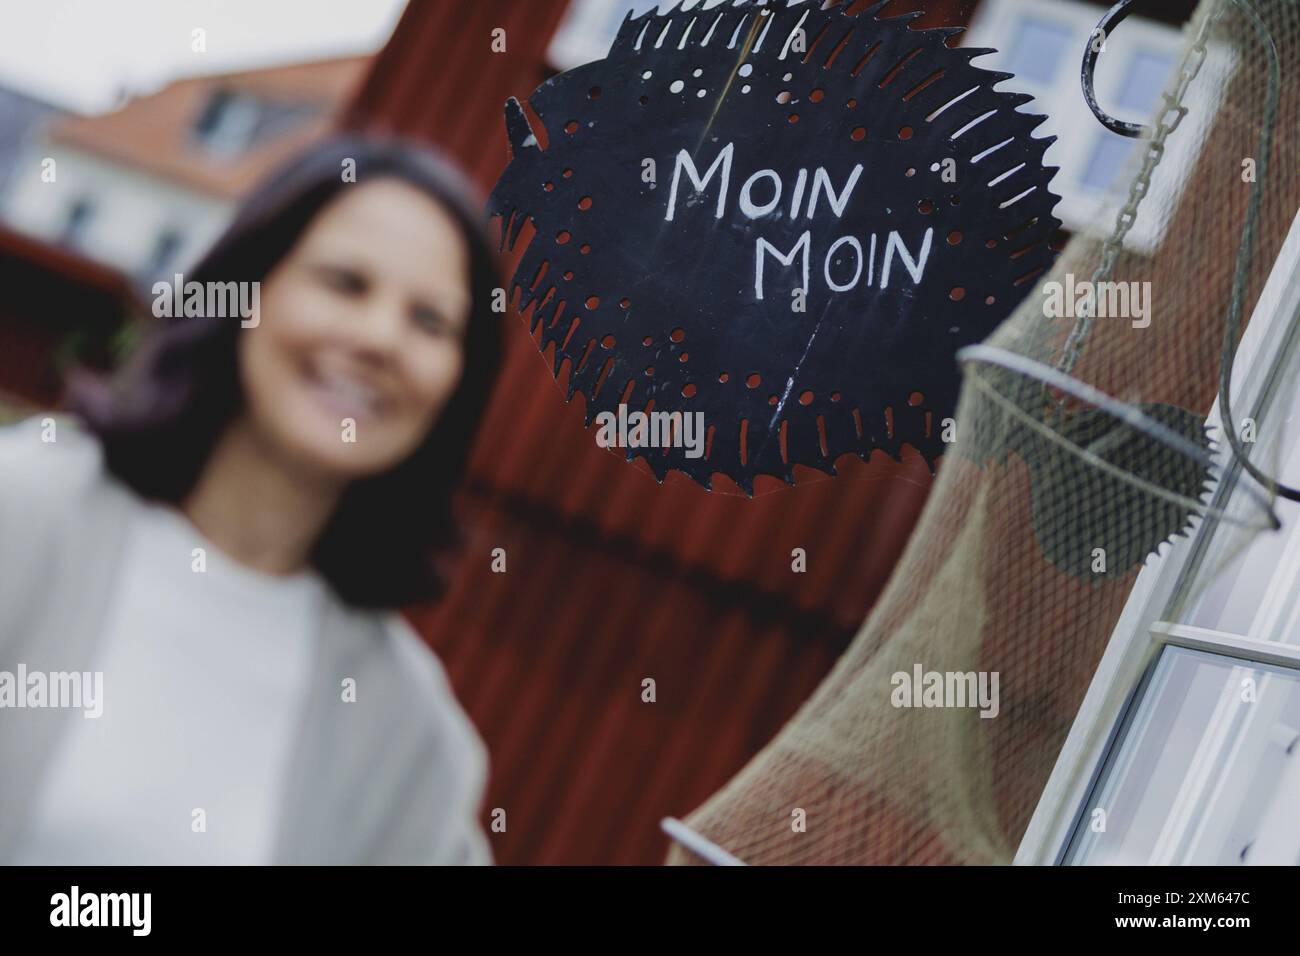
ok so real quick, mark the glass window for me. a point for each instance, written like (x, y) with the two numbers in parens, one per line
(1143, 81)
(164, 251)
(1042, 43)
(226, 124)
(1108, 154)
(1208, 755)
(1038, 49)
(78, 219)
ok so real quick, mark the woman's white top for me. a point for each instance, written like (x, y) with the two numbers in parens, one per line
(205, 664)
(244, 717)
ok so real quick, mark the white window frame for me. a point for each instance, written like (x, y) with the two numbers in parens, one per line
(1140, 628)
(584, 34)
(994, 24)
(235, 123)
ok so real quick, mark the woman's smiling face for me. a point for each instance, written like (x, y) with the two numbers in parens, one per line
(359, 338)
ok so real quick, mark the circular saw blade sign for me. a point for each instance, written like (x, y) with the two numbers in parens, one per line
(761, 233)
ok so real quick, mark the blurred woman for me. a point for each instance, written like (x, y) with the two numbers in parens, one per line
(215, 543)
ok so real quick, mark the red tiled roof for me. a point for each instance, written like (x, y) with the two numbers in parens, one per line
(153, 133)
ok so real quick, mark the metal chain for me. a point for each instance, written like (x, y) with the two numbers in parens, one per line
(1170, 118)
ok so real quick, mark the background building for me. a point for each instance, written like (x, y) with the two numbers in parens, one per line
(21, 117)
(148, 187)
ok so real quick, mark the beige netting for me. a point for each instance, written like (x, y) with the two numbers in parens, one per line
(1001, 573)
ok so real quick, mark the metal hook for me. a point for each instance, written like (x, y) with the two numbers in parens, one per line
(1113, 18)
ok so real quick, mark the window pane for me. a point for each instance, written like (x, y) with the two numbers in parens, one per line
(1108, 154)
(1143, 82)
(1205, 758)
(78, 218)
(1037, 51)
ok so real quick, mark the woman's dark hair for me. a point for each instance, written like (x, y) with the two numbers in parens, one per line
(393, 534)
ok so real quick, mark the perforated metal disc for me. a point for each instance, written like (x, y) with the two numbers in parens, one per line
(644, 308)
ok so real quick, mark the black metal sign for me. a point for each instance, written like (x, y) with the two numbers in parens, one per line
(784, 218)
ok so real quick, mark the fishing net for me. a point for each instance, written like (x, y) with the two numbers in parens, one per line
(1081, 449)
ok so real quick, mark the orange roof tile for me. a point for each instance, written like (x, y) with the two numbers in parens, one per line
(155, 133)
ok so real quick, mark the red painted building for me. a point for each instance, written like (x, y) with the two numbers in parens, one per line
(611, 578)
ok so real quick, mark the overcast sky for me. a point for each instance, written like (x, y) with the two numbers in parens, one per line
(78, 53)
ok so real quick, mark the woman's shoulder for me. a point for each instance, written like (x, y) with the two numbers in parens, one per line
(425, 676)
(51, 471)
(404, 678)
(433, 773)
(50, 468)
(46, 452)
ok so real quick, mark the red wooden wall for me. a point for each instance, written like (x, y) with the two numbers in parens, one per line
(612, 578)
